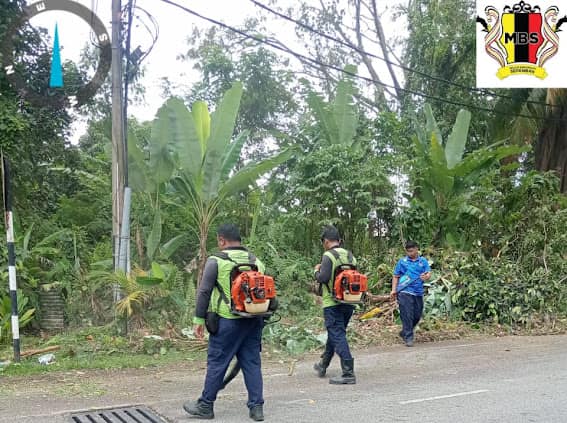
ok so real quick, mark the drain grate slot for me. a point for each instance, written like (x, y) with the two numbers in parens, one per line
(136, 414)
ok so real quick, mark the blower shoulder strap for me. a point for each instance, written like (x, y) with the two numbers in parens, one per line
(224, 256)
(335, 253)
(251, 258)
(222, 295)
(337, 256)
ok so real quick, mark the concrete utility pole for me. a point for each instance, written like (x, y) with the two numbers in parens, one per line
(117, 131)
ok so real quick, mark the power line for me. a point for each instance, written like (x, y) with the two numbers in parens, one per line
(407, 69)
(92, 35)
(154, 34)
(138, 55)
(287, 50)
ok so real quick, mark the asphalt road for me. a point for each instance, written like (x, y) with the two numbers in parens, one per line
(511, 379)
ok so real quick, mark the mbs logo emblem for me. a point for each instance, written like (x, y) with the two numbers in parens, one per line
(521, 39)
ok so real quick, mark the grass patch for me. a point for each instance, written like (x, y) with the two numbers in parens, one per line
(99, 348)
(117, 361)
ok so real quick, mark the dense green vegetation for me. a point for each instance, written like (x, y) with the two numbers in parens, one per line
(282, 156)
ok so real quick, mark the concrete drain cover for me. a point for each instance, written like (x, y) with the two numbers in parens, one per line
(118, 415)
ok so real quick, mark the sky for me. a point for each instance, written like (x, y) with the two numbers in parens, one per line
(174, 28)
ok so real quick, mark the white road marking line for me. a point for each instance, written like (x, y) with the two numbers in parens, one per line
(299, 401)
(460, 394)
(449, 347)
(465, 345)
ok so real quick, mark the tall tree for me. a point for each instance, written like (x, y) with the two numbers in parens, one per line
(340, 179)
(441, 37)
(268, 105)
(541, 125)
(551, 143)
(355, 34)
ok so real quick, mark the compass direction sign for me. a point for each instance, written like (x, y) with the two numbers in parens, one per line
(45, 97)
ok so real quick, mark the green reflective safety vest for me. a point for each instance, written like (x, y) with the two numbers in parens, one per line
(328, 300)
(216, 303)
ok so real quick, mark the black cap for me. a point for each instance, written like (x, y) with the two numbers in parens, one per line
(330, 233)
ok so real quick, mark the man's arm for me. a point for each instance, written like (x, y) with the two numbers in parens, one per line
(398, 272)
(395, 280)
(426, 275)
(323, 274)
(208, 282)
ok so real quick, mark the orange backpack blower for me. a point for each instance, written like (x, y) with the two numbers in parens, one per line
(349, 285)
(251, 292)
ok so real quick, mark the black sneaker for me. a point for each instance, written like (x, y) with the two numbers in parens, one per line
(199, 409)
(409, 342)
(257, 413)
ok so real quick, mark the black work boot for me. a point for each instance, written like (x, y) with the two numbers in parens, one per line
(321, 367)
(257, 413)
(348, 377)
(199, 409)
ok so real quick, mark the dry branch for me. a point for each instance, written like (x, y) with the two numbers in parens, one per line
(40, 351)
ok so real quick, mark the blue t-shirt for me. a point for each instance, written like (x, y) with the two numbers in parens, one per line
(412, 269)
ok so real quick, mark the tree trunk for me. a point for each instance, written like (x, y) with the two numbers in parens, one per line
(203, 236)
(551, 145)
(140, 247)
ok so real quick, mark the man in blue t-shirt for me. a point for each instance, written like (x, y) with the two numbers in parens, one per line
(407, 287)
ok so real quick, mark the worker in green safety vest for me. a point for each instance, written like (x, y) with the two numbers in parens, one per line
(229, 335)
(337, 315)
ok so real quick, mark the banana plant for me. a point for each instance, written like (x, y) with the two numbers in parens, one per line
(195, 153)
(446, 173)
(337, 118)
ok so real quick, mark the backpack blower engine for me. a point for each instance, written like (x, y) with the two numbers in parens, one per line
(252, 293)
(349, 285)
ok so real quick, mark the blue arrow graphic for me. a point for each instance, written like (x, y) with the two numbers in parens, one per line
(56, 79)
